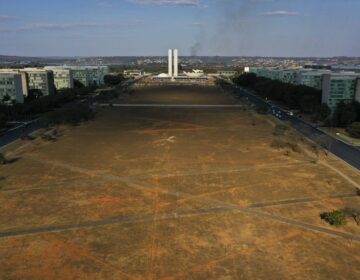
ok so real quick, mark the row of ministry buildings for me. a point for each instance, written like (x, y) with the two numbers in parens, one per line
(335, 86)
(15, 84)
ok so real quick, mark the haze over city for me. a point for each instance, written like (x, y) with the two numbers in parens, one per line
(197, 27)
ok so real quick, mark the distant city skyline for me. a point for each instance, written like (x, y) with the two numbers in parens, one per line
(279, 28)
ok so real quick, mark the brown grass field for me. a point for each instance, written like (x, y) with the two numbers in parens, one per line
(174, 193)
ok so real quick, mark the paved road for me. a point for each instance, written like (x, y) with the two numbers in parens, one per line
(24, 129)
(342, 150)
(198, 106)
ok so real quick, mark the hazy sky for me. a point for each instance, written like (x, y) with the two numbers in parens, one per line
(202, 27)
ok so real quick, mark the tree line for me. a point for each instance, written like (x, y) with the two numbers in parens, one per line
(305, 99)
(36, 104)
(296, 97)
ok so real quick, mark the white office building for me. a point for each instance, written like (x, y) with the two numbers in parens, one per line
(63, 77)
(11, 88)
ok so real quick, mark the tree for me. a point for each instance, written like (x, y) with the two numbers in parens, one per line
(354, 129)
(246, 80)
(6, 98)
(112, 80)
(78, 84)
(325, 111)
(3, 159)
(34, 94)
(357, 109)
(344, 114)
(300, 97)
(2, 120)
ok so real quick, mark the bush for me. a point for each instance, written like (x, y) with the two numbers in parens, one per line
(334, 218)
(2, 120)
(78, 84)
(278, 143)
(281, 143)
(262, 110)
(281, 129)
(106, 95)
(3, 160)
(354, 129)
(345, 114)
(73, 115)
(113, 80)
(354, 214)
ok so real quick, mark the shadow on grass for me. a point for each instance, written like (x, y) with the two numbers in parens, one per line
(1, 182)
(13, 160)
(5, 161)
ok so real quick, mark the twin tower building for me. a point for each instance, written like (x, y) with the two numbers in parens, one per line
(173, 62)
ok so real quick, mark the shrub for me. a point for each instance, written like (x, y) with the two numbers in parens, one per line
(73, 115)
(106, 95)
(278, 143)
(334, 218)
(262, 110)
(113, 80)
(353, 213)
(280, 130)
(3, 160)
(2, 120)
(286, 142)
(354, 129)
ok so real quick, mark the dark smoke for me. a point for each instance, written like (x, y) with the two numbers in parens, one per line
(232, 32)
(195, 49)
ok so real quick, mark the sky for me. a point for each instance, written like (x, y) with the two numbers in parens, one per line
(196, 27)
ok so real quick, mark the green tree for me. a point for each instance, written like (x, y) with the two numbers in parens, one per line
(299, 97)
(113, 80)
(334, 218)
(34, 94)
(78, 84)
(2, 120)
(357, 109)
(354, 129)
(325, 112)
(3, 159)
(344, 114)
(6, 98)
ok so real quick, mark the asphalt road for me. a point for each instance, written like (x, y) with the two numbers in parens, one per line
(348, 153)
(24, 129)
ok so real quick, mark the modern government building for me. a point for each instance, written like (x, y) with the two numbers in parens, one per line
(15, 84)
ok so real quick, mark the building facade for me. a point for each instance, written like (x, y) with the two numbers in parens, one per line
(81, 75)
(11, 88)
(97, 74)
(227, 74)
(63, 77)
(337, 88)
(90, 75)
(23, 76)
(40, 79)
